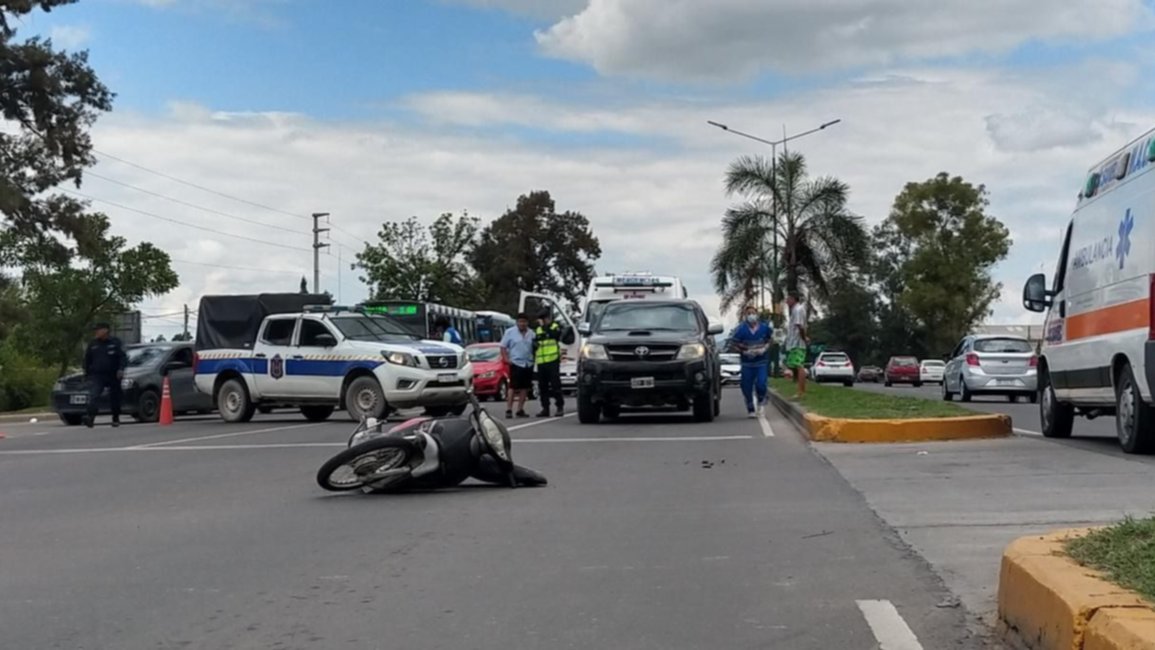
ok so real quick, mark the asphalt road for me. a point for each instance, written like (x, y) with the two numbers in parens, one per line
(655, 532)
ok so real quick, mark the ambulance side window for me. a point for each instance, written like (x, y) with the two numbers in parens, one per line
(1061, 271)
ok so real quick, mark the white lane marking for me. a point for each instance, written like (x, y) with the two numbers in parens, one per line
(1027, 432)
(234, 434)
(645, 439)
(887, 625)
(765, 424)
(538, 422)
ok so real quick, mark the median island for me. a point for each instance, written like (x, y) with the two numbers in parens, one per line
(839, 414)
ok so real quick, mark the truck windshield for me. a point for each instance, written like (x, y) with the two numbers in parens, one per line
(372, 328)
(638, 315)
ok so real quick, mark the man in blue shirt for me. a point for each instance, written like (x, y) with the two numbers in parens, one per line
(449, 333)
(517, 345)
(752, 339)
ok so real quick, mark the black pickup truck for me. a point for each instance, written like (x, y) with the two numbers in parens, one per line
(649, 353)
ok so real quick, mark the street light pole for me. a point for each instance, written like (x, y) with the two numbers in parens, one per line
(774, 195)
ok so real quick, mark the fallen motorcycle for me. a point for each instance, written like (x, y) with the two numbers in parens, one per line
(426, 453)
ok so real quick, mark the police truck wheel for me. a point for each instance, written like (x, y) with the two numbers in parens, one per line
(317, 413)
(588, 411)
(1133, 417)
(147, 407)
(233, 402)
(364, 398)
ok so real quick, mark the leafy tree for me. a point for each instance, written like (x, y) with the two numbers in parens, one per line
(817, 236)
(51, 98)
(535, 248)
(12, 308)
(100, 280)
(849, 320)
(412, 262)
(936, 251)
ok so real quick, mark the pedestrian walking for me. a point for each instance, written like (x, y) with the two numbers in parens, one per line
(104, 364)
(797, 342)
(548, 339)
(447, 332)
(517, 342)
(753, 339)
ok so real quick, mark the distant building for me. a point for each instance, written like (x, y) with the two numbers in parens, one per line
(1033, 333)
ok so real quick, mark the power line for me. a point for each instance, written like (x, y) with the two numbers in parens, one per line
(192, 205)
(237, 268)
(195, 185)
(181, 223)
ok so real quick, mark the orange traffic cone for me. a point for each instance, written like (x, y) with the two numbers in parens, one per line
(166, 404)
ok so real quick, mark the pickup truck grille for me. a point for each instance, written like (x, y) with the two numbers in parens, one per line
(441, 361)
(652, 352)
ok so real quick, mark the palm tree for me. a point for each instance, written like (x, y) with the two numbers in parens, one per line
(817, 237)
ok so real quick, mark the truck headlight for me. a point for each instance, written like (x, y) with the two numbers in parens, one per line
(126, 384)
(691, 351)
(400, 358)
(595, 351)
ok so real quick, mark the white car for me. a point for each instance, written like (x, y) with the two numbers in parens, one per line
(731, 368)
(930, 371)
(833, 367)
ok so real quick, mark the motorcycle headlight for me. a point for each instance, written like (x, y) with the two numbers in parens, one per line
(494, 435)
(691, 351)
(595, 351)
(400, 358)
(125, 384)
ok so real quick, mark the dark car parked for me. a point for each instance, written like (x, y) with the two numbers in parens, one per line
(148, 363)
(649, 353)
(870, 373)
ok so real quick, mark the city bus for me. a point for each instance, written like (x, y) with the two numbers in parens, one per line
(491, 326)
(419, 317)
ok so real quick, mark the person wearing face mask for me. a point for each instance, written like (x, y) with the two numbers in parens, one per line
(752, 339)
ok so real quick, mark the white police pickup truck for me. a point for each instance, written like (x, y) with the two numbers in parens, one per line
(322, 359)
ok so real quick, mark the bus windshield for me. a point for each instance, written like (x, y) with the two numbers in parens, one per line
(373, 328)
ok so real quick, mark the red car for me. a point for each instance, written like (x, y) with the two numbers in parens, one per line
(902, 370)
(490, 370)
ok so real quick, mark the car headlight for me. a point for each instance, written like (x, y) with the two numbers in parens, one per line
(125, 384)
(58, 386)
(594, 351)
(400, 358)
(691, 351)
(489, 375)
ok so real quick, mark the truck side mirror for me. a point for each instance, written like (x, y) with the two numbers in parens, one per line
(584, 329)
(1035, 295)
(326, 340)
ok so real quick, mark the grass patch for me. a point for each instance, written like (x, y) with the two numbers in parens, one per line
(841, 402)
(1125, 553)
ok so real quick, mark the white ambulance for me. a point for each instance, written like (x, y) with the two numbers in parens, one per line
(1098, 351)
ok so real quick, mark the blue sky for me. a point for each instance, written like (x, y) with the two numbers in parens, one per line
(417, 107)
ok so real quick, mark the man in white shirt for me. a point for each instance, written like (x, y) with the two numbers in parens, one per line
(797, 342)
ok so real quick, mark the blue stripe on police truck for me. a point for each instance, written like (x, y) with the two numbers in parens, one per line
(326, 368)
(241, 365)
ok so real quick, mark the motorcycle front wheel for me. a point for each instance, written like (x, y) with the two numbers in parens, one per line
(374, 461)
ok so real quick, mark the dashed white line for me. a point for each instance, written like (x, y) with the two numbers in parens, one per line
(1027, 432)
(538, 422)
(642, 439)
(765, 424)
(887, 625)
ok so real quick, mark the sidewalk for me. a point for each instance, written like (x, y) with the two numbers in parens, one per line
(959, 504)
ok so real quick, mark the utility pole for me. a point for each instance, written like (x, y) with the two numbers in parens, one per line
(186, 336)
(317, 246)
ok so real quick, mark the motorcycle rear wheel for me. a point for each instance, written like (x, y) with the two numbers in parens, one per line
(364, 463)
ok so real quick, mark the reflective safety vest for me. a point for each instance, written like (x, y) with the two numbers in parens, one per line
(548, 349)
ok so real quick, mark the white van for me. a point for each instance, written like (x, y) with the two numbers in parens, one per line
(1098, 345)
(628, 286)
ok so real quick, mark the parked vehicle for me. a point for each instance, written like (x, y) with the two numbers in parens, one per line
(148, 365)
(991, 365)
(731, 368)
(649, 353)
(490, 370)
(902, 370)
(833, 367)
(871, 374)
(930, 371)
(294, 350)
(426, 453)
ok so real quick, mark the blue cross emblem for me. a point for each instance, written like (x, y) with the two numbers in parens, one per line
(1123, 249)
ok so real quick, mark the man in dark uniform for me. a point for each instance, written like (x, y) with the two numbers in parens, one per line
(547, 341)
(104, 363)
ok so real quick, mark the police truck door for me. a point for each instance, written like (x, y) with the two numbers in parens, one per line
(273, 348)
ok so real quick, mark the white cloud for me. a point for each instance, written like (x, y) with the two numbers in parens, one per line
(725, 39)
(654, 201)
(70, 37)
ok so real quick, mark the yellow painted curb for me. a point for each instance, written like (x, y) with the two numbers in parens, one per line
(1052, 603)
(824, 429)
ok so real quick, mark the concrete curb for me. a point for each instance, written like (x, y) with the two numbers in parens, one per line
(824, 429)
(1049, 602)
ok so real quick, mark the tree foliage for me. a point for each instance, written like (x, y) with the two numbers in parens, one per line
(536, 248)
(847, 321)
(935, 253)
(412, 262)
(817, 237)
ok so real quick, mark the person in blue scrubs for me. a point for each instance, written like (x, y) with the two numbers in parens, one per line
(752, 339)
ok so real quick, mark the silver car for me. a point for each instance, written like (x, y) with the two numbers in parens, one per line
(991, 365)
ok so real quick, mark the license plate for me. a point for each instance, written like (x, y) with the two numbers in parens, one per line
(642, 382)
(446, 377)
(78, 399)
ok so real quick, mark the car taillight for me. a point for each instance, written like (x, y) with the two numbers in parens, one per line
(972, 359)
(1034, 362)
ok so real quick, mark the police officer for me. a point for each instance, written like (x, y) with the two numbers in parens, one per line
(104, 364)
(547, 341)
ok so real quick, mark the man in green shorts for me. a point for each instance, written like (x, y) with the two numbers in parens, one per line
(796, 342)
